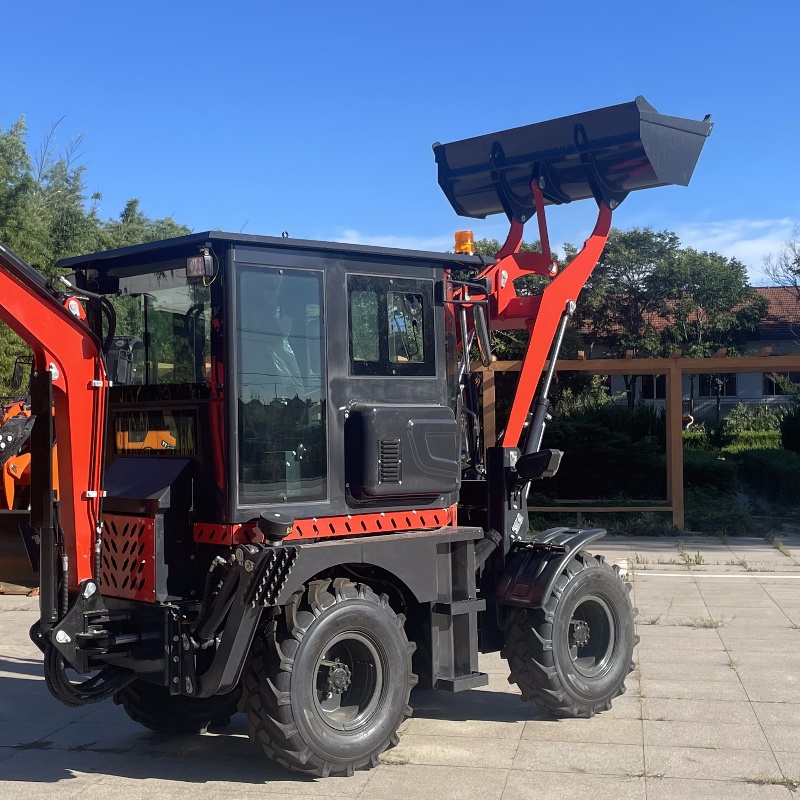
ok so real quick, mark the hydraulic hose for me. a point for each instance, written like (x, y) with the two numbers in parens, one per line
(99, 687)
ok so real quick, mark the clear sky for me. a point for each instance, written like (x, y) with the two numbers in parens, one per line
(317, 118)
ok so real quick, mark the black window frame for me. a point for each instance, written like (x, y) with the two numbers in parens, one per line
(385, 367)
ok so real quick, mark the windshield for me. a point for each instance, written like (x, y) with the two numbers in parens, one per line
(162, 336)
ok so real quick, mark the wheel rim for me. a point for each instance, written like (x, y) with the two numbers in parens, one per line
(349, 681)
(591, 636)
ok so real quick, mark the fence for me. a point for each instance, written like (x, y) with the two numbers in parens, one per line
(673, 369)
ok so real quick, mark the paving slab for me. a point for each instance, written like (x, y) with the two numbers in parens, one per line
(720, 764)
(715, 735)
(698, 711)
(683, 789)
(570, 786)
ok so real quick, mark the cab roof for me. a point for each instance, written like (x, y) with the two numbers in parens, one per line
(182, 246)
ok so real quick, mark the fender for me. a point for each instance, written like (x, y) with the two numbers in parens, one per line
(533, 566)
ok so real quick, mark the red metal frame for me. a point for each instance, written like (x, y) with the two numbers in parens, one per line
(317, 528)
(541, 313)
(62, 344)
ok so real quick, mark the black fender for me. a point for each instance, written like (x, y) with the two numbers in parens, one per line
(532, 566)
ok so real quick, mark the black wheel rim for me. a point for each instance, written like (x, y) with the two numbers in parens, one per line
(592, 636)
(349, 681)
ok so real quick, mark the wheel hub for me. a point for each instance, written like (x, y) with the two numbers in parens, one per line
(339, 676)
(580, 632)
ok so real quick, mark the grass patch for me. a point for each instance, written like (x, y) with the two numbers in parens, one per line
(768, 780)
(705, 622)
(778, 544)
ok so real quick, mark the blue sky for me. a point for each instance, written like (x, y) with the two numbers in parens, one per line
(318, 118)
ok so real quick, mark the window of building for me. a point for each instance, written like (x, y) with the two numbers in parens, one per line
(723, 383)
(280, 385)
(654, 387)
(775, 383)
(391, 326)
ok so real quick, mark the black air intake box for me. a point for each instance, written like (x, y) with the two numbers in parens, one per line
(401, 450)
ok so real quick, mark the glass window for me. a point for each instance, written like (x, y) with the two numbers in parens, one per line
(406, 334)
(391, 326)
(724, 384)
(779, 383)
(160, 431)
(654, 387)
(162, 333)
(281, 385)
(364, 325)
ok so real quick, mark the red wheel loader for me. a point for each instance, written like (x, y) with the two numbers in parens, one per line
(274, 496)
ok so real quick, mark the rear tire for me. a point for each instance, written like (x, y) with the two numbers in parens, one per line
(329, 679)
(155, 708)
(572, 656)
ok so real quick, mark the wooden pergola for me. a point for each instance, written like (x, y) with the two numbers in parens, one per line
(673, 369)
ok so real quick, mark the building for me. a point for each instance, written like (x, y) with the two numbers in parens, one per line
(777, 334)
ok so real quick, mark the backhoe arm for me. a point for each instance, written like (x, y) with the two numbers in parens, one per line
(68, 366)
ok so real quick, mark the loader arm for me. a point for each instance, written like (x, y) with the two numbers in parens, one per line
(68, 366)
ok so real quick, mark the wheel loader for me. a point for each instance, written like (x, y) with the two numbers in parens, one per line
(274, 495)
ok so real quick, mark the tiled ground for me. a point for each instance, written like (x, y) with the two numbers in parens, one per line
(712, 711)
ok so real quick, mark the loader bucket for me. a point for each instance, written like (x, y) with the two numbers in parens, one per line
(602, 154)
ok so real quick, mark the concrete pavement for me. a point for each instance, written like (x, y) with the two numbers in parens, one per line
(712, 710)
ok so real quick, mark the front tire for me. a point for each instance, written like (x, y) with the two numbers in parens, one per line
(573, 655)
(329, 680)
(154, 707)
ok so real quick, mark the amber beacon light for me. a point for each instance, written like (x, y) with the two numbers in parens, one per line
(465, 242)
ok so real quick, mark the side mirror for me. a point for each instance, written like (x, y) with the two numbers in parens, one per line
(17, 375)
(482, 334)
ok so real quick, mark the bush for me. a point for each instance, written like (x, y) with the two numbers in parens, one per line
(696, 439)
(602, 462)
(754, 440)
(773, 473)
(703, 469)
(711, 511)
(790, 430)
(755, 418)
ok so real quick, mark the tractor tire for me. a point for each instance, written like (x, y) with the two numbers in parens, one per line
(572, 656)
(329, 679)
(156, 709)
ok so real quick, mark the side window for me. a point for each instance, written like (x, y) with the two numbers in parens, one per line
(280, 385)
(406, 328)
(364, 325)
(391, 326)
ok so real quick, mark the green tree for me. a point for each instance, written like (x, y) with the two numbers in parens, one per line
(707, 304)
(46, 214)
(620, 302)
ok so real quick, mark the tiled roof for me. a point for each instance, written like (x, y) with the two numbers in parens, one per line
(783, 314)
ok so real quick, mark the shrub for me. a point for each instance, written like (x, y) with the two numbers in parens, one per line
(703, 469)
(696, 438)
(711, 511)
(602, 462)
(755, 418)
(773, 473)
(754, 440)
(790, 430)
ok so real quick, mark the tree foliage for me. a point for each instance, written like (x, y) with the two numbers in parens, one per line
(47, 213)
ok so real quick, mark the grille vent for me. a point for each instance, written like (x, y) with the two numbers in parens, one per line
(389, 465)
(127, 557)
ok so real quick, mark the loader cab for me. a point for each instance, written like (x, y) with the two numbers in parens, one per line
(318, 378)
